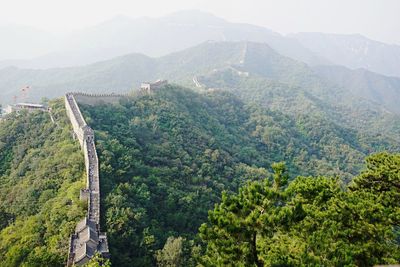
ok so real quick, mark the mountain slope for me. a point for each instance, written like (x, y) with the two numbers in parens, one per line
(353, 51)
(166, 157)
(118, 75)
(124, 73)
(41, 173)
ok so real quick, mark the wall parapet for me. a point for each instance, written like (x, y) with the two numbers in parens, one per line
(97, 95)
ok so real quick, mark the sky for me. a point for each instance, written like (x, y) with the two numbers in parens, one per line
(376, 19)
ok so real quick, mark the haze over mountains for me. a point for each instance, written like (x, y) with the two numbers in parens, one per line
(255, 59)
(22, 42)
(378, 88)
(156, 37)
(160, 36)
(254, 72)
(353, 51)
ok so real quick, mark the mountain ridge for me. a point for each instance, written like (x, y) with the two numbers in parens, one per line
(123, 73)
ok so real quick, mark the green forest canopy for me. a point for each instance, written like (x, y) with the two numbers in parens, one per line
(41, 172)
(313, 221)
(167, 158)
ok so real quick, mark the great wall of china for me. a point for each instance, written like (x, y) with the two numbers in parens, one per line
(87, 239)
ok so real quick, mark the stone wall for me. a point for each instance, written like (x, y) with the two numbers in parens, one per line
(86, 138)
(75, 116)
(85, 135)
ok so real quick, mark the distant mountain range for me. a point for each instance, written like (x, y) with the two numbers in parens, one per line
(253, 71)
(126, 72)
(353, 51)
(375, 87)
(160, 36)
(157, 37)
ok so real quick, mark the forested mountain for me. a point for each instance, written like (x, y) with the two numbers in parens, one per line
(353, 51)
(166, 157)
(252, 71)
(41, 173)
(244, 58)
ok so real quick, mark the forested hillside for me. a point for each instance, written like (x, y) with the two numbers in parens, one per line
(41, 172)
(310, 221)
(165, 159)
(311, 105)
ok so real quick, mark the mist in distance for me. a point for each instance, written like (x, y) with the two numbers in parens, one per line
(43, 42)
(31, 29)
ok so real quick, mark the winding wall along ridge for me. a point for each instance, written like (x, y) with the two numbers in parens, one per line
(87, 239)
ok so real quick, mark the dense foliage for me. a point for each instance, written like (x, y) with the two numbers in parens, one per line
(165, 158)
(41, 172)
(314, 221)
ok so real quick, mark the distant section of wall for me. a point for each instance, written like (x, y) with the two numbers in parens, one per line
(152, 86)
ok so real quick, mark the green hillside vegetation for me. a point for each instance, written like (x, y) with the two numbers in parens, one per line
(166, 158)
(312, 102)
(41, 172)
(313, 221)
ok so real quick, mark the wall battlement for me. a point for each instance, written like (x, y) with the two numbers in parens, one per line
(75, 94)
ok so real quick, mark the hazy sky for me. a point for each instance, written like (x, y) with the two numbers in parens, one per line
(377, 19)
